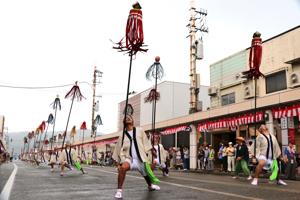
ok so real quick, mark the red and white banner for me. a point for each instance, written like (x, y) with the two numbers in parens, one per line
(292, 111)
(173, 130)
(224, 123)
(111, 141)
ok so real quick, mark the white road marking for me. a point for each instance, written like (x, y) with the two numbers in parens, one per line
(189, 187)
(8, 186)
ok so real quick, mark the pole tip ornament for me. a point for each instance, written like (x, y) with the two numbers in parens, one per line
(137, 6)
(256, 35)
(157, 59)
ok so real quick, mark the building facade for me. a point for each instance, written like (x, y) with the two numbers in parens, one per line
(173, 102)
(281, 66)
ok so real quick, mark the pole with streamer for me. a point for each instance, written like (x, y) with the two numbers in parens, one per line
(73, 93)
(55, 105)
(157, 72)
(134, 42)
(49, 121)
(253, 72)
(83, 127)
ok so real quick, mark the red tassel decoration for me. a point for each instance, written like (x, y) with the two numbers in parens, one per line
(83, 126)
(46, 142)
(151, 96)
(75, 93)
(134, 31)
(255, 57)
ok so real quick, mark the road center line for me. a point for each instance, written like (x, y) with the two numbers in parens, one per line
(189, 187)
(8, 186)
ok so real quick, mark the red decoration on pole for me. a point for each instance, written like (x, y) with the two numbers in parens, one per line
(255, 57)
(75, 93)
(83, 126)
(134, 31)
(152, 95)
(46, 142)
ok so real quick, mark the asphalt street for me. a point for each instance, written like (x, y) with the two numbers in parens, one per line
(101, 183)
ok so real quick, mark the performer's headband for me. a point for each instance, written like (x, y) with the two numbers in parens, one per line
(124, 121)
(261, 127)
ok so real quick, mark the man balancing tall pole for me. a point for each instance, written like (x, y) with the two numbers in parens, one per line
(267, 151)
(131, 154)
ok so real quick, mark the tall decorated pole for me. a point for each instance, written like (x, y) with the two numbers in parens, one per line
(25, 142)
(30, 136)
(134, 37)
(41, 128)
(55, 105)
(72, 94)
(49, 121)
(253, 72)
(134, 43)
(157, 72)
(73, 131)
(96, 122)
(83, 127)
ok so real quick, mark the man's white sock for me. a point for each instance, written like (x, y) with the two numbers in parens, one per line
(119, 190)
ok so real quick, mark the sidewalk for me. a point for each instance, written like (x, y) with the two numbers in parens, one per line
(216, 172)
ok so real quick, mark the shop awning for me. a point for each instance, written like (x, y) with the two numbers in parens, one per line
(111, 141)
(247, 119)
(291, 111)
(173, 130)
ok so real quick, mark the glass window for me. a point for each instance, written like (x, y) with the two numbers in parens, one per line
(276, 82)
(228, 99)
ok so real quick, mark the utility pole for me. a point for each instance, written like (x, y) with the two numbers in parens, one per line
(193, 50)
(93, 107)
(97, 73)
(192, 57)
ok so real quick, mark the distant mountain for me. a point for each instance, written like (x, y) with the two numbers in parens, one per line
(16, 138)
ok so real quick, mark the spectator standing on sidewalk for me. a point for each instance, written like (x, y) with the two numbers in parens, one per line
(290, 162)
(224, 156)
(178, 155)
(211, 158)
(231, 157)
(186, 158)
(205, 159)
(221, 157)
(200, 157)
(242, 157)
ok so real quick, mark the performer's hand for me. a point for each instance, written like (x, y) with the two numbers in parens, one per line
(154, 154)
(283, 161)
(254, 161)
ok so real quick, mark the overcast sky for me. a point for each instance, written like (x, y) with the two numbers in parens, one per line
(49, 43)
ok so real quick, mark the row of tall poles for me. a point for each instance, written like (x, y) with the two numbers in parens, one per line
(73, 94)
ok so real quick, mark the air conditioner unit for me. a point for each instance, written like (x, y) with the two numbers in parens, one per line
(248, 92)
(212, 91)
(294, 80)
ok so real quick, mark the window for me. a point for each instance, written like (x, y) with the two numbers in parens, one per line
(228, 99)
(276, 82)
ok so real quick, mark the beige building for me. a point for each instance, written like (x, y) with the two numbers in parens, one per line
(281, 66)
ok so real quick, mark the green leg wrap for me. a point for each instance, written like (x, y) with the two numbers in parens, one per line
(77, 164)
(274, 169)
(99, 162)
(87, 162)
(150, 173)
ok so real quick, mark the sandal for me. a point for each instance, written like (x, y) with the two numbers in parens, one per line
(154, 187)
(119, 195)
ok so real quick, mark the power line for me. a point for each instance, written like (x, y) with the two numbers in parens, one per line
(20, 87)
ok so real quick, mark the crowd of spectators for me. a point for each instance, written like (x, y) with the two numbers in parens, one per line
(226, 156)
